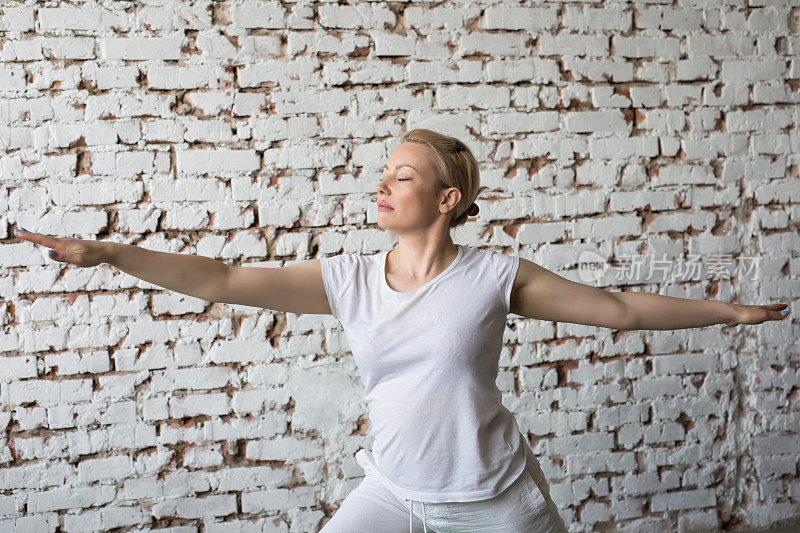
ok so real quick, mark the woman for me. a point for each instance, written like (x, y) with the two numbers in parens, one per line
(425, 324)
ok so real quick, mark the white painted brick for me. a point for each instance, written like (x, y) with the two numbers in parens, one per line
(598, 173)
(207, 131)
(192, 379)
(67, 18)
(689, 499)
(696, 68)
(141, 48)
(27, 50)
(666, 432)
(704, 119)
(573, 45)
(31, 417)
(539, 233)
(17, 19)
(209, 506)
(68, 47)
(520, 18)
(174, 17)
(117, 467)
(646, 483)
(389, 44)
(588, 463)
(450, 18)
(367, 72)
(115, 77)
(248, 478)
(655, 387)
(278, 499)
(623, 148)
(16, 368)
(645, 96)
(495, 44)
(42, 522)
(106, 518)
(681, 21)
(69, 498)
(183, 483)
(203, 457)
(422, 71)
(733, 70)
(606, 97)
(720, 46)
(482, 97)
(504, 123)
(282, 449)
(12, 79)
(47, 392)
(155, 409)
(67, 363)
(594, 512)
(599, 70)
(199, 404)
(638, 47)
(590, 19)
(254, 48)
(595, 122)
(360, 16)
(216, 161)
(169, 77)
(684, 175)
(588, 442)
(612, 226)
(303, 71)
(776, 444)
(266, 15)
(615, 416)
(684, 363)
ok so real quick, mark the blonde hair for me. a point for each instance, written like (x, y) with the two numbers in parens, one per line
(455, 167)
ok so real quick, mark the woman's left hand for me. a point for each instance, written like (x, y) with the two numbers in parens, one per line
(756, 314)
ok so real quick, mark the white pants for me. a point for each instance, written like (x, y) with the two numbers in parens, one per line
(524, 507)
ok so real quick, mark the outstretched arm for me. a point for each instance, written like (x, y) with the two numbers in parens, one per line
(539, 293)
(654, 311)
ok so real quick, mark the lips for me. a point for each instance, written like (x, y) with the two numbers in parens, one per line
(384, 205)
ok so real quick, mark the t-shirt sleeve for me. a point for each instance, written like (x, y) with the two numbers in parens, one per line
(505, 267)
(337, 272)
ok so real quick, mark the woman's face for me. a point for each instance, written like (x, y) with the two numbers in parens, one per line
(408, 186)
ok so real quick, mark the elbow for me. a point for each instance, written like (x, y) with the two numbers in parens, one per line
(626, 317)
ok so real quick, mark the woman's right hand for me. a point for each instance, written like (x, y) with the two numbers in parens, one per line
(74, 251)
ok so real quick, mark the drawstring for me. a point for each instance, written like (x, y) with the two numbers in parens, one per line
(411, 517)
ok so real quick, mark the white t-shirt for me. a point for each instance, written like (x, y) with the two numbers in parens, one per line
(428, 360)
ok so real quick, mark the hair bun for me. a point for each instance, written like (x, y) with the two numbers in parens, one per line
(473, 209)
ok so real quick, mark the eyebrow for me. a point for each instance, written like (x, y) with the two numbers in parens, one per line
(402, 165)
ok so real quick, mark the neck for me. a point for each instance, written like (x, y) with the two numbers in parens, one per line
(422, 260)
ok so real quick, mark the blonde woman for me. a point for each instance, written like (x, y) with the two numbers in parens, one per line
(425, 322)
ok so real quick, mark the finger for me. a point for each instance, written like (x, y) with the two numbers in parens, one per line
(774, 307)
(776, 311)
(776, 315)
(38, 238)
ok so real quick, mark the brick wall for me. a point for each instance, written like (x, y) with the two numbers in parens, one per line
(255, 132)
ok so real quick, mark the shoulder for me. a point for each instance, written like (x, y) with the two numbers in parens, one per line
(349, 261)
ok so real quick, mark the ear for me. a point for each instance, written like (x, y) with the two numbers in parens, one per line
(450, 198)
